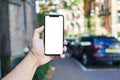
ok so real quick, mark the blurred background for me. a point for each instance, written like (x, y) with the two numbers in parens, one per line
(92, 30)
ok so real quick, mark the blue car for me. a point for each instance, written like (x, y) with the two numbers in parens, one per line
(96, 49)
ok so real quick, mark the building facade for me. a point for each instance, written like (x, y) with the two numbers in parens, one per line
(17, 22)
(99, 12)
(108, 11)
(115, 17)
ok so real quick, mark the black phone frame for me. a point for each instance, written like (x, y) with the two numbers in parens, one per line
(53, 15)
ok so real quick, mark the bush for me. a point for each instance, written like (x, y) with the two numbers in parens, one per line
(41, 72)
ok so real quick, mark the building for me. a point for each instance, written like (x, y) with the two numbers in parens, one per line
(115, 18)
(74, 20)
(99, 12)
(17, 21)
(108, 11)
(105, 14)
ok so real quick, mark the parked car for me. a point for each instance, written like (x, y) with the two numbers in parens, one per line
(71, 45)
(96, 49)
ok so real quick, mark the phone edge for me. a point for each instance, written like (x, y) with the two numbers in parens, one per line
(44, 35)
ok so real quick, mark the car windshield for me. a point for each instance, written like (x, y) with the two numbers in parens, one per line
(70, 40)
(105, 41)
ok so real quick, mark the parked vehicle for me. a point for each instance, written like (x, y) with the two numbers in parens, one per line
(96, 49)
(71, 45)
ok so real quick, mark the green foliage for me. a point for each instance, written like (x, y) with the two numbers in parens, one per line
(87, 19)
(5, 64)
(70, 4)
(40, 18)
(86, 1)
(41, 72)
(90, 22)
(76, 2)
(118, 34)
(44, 9)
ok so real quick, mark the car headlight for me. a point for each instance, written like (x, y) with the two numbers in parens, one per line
(72, 43)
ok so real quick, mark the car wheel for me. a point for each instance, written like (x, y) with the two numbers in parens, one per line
(85, 59)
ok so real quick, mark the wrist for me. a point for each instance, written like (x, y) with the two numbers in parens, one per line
(35, 58)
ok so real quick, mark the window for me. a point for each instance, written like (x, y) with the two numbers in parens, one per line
(15, 1)
(118, 15)
(102, 5)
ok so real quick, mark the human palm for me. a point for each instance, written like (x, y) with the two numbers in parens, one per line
(38, 48)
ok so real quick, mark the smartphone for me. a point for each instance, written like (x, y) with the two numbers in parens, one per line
(53, 34)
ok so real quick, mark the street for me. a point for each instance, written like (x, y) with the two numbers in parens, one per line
(71, 69)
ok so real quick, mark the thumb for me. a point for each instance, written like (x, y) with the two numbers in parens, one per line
(38, 31)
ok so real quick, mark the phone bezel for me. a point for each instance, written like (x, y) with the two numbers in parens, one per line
(53, 15)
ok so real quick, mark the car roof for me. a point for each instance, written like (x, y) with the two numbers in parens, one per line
(93, 36)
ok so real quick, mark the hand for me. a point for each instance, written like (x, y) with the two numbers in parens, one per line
(37, 48)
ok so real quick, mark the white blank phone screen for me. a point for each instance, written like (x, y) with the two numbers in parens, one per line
(54, 35)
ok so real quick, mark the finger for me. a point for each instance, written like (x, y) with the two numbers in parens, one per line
(53, 57)
(65, 31)
(61, 56)
(38, 31)
(64, 49)
(65, 42)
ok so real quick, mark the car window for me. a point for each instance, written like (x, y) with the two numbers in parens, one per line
(115, 45)
(104, 41)
(85, 39)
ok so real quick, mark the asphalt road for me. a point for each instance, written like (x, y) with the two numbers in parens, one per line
(71, 69)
